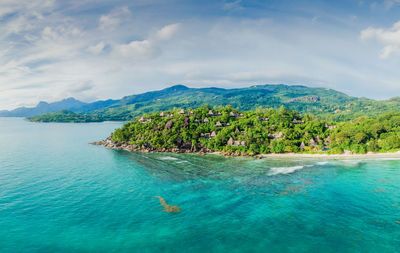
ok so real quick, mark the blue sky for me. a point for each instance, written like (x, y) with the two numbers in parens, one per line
(53, 49)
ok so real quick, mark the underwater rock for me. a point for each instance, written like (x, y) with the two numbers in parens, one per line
(168, 208)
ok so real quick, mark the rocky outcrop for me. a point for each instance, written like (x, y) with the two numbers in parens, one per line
(169, 124)
(311, 98)
(186, 123)
(182, 147)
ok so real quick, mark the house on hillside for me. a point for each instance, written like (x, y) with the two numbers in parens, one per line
(205, 135)
(295, 121)
(232, 114)
(218, 124)
(162, 114)
(239, 143)
(213, 134)
(313, 143)
(211, 113)
(182, 112)
(276, 136)
(143, 120)
(191, 113)
(330, 127)
(232, 142)
(206, 120)
(302, 145)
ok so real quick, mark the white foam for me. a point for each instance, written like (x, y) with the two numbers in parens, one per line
(168, 158)
(182, 161)
(284, 170)
(322, 163)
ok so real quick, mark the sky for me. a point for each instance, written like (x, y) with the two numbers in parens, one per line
(98, 49)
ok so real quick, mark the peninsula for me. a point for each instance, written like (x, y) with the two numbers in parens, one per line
(261, 131)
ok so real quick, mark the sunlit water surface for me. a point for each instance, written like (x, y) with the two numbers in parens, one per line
(60, 194)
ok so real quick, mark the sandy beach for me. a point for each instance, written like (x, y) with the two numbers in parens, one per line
(337, 156)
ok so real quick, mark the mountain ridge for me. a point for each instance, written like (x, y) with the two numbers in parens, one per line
(43, 107)
(322, 102)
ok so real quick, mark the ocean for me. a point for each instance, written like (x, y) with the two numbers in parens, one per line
(58, 193)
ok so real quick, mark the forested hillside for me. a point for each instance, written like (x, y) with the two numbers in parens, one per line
(321, 102)
(260, 131)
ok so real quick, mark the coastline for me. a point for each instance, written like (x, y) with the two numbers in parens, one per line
(108, 143)
(335, 156)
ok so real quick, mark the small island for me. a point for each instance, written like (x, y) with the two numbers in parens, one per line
(262, 131)
(64, 116)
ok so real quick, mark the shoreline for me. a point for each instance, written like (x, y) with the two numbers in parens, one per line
(108, 143)
(334, 156)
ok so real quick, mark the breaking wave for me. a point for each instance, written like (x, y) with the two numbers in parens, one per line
(284, 170)
(168, 158)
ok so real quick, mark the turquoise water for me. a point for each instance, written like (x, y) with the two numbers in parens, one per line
(59, 194)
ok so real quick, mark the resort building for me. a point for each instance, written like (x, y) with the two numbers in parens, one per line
(143, 120)
(276, 136)
(313, 143)
(330, 127)
(232, 142)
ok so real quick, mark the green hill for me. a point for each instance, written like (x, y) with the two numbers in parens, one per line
(322, 102)
(259, 131)
(64, 116)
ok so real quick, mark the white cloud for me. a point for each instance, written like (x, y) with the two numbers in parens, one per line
(233, 5)
(148, 48)
(390, 38)
(137, 50)
(114, 18)
(391, 3)
(98, 48)
(167, 32)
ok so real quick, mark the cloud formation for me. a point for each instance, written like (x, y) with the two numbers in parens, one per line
(114, 18)
(100, 49)
(390, 38)
(168, 31)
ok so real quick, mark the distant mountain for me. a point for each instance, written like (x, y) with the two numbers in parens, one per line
(43, 107)
(301, 98)
(322, 102)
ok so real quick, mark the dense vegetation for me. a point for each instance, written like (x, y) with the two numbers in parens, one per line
(259, 131)
(324, 103)
(64, 117)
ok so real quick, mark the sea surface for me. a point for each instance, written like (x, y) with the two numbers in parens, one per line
(58, 193)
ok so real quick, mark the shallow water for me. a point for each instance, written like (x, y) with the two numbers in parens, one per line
(58, 193)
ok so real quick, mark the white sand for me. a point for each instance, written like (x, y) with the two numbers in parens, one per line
(327, 156)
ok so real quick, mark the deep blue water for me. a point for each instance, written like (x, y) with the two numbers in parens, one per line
(60, 194)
